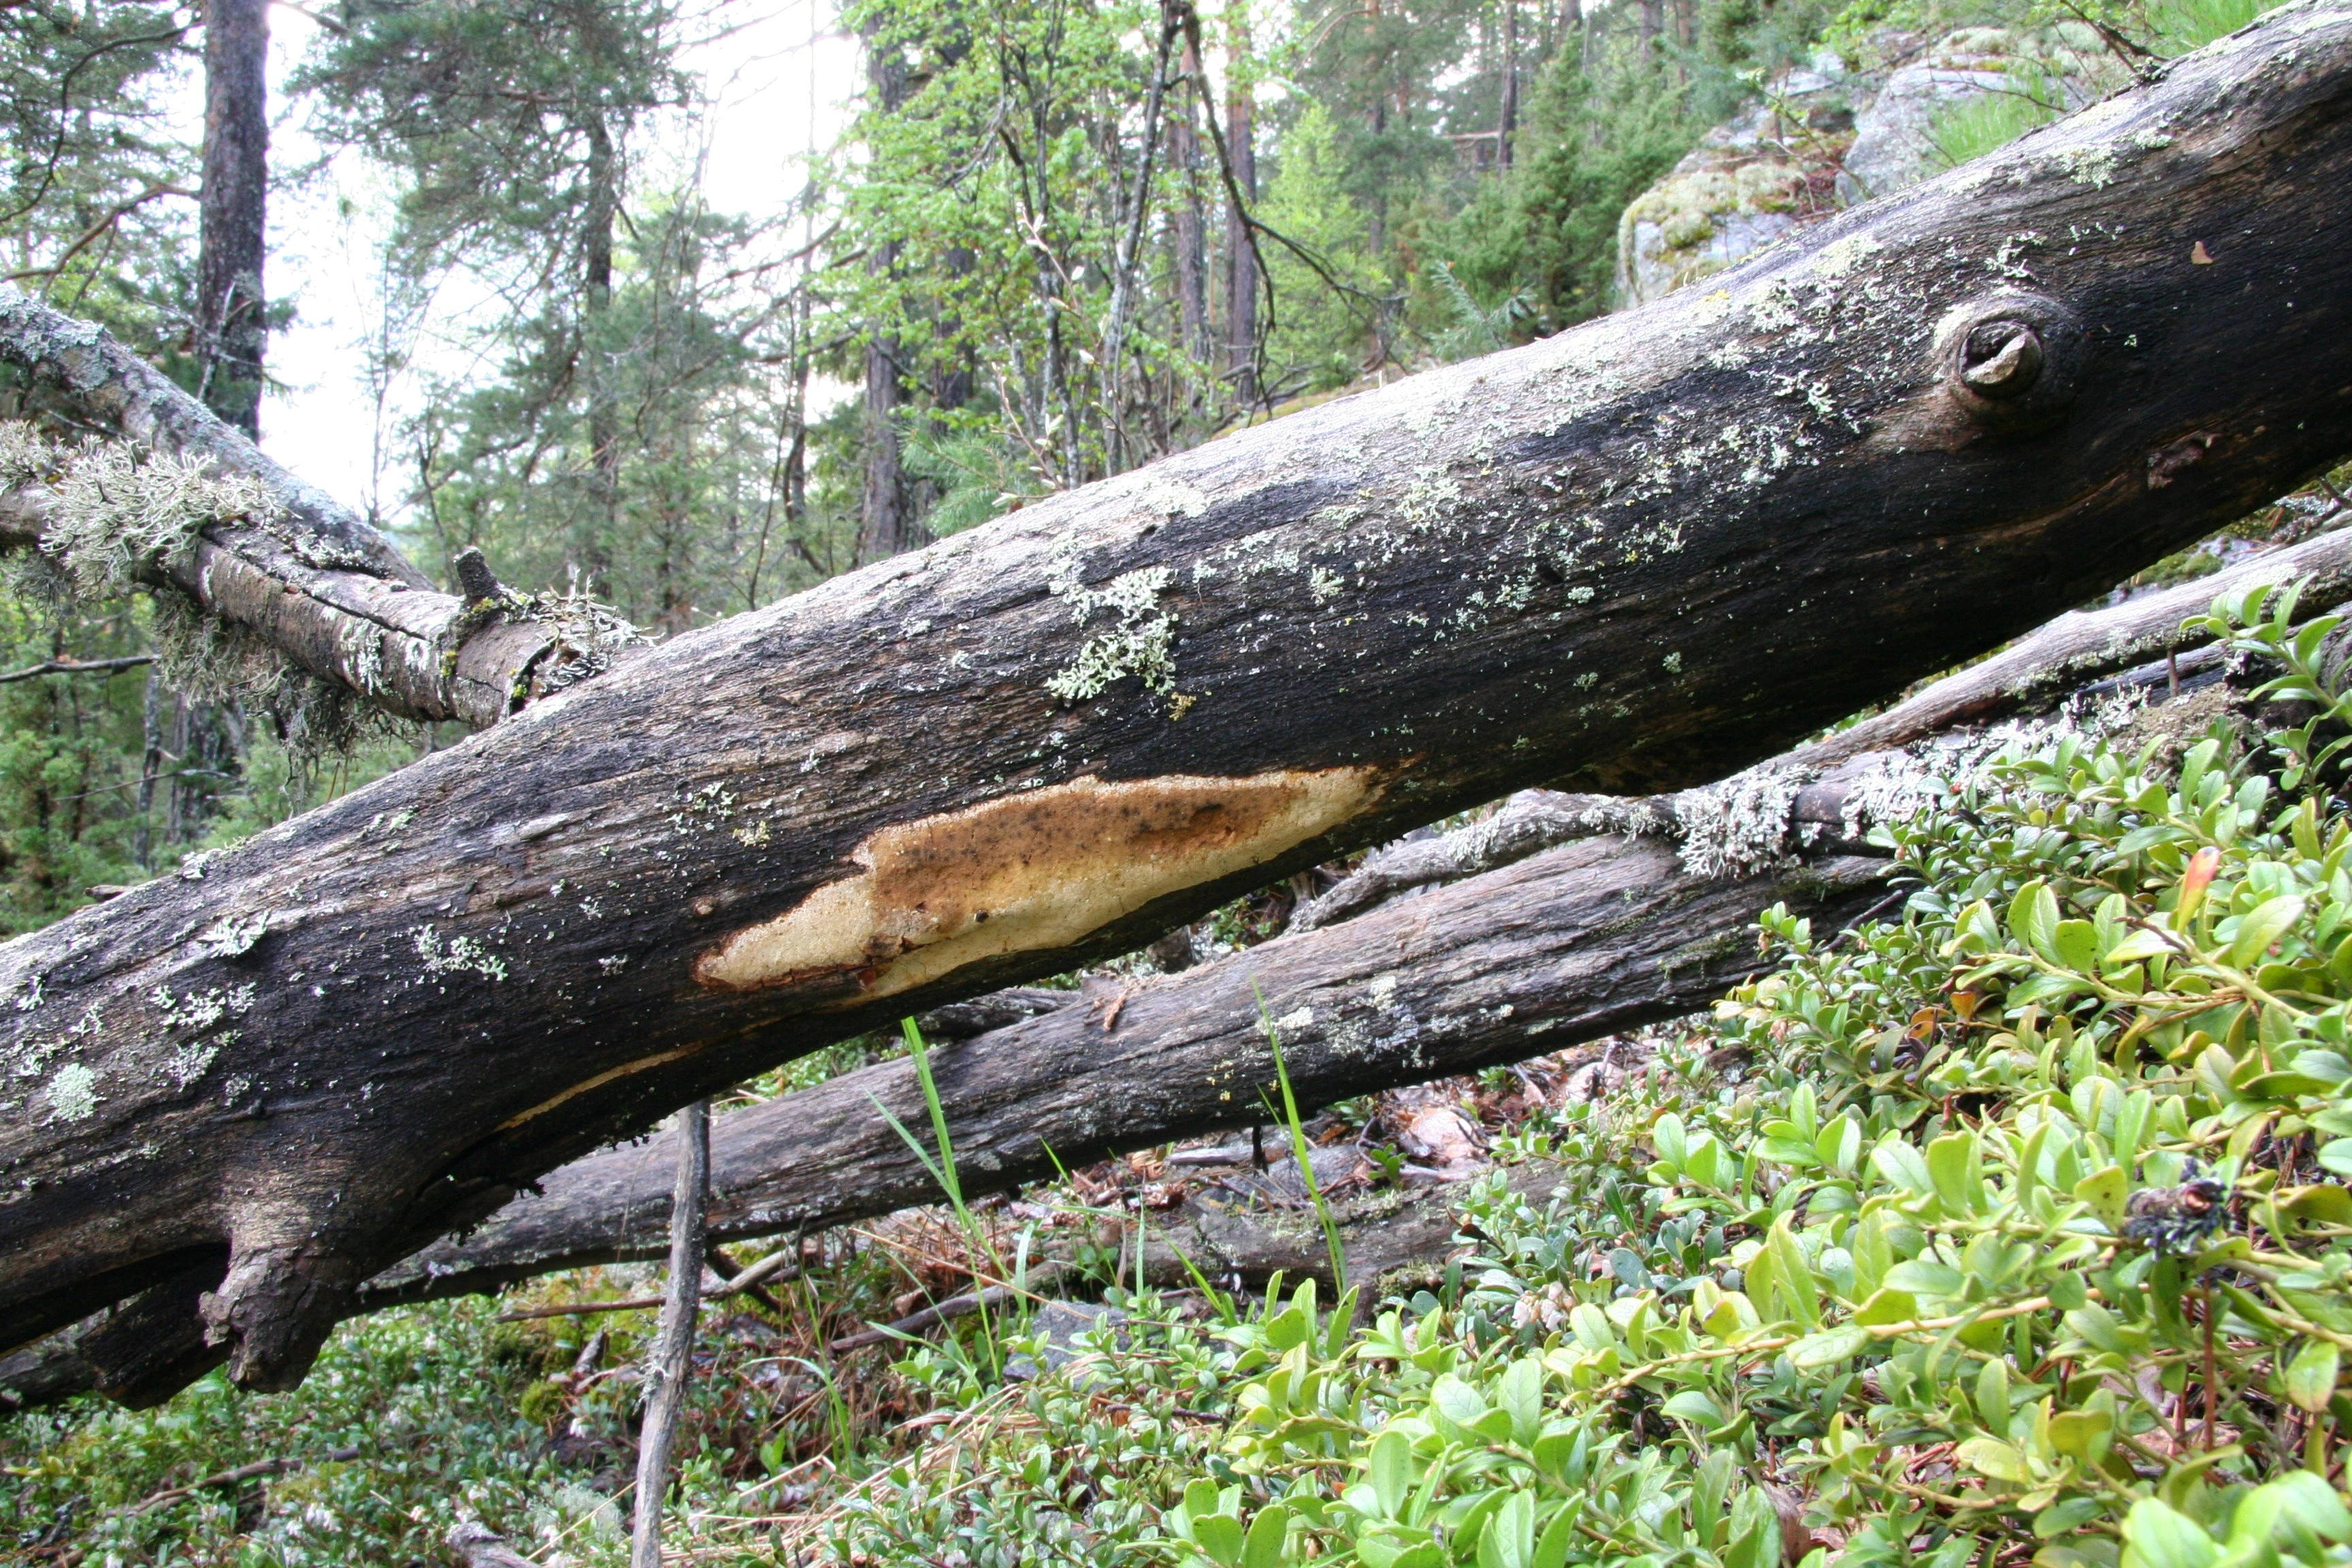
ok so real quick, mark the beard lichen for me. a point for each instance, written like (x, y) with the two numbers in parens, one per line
(120, 518)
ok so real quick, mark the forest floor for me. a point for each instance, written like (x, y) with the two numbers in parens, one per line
(2006, 1228)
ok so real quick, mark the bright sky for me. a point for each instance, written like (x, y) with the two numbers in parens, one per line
(777, 86)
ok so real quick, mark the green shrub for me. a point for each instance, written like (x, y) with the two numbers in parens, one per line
(2016, 1242)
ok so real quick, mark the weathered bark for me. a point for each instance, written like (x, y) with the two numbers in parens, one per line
(816, 1158)
(1637, 555)
(232, 321)
(319, 585)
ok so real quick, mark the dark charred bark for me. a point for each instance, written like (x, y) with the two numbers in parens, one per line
(1637, 555)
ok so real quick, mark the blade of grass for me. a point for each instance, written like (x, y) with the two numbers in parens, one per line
(1290, 1116)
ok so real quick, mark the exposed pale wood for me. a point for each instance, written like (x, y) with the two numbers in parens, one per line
(1633, 557)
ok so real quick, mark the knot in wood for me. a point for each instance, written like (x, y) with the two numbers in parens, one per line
(2002, 359)
(2011, 361)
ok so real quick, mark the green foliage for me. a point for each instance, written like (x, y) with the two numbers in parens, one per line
(2012, 1240)
(1975, 126)
(1546, 236)
(1324, 337)
(424, 1400)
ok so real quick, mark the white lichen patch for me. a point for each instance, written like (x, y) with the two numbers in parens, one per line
(1325, 585)
(1737, 827)
(1833, 261)
(235, 935)
(461, 956)
(1143, 643)
(187, 1062)
(2093, 165)
(73, 1093)
(1294, 1022)
(119, 512)
(707, 810)
(200, 1010)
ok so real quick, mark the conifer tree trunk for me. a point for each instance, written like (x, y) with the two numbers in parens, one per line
(886, 524)
(1507, 123)
(593, 533)
(1191, 225)
(232, 328)
(1241, 257)
(232, 222)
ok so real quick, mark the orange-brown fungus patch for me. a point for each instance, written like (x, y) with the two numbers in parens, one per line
(1030, 872)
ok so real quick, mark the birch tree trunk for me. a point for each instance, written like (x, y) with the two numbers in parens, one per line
(1636, 557)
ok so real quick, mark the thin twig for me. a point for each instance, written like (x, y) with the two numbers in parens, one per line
(674, 1342)
(780, 1264)
(76, 666)
(238, 1477)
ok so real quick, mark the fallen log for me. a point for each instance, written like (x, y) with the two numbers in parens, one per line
(827, 1156)
(1635, 556)
(2072, 652)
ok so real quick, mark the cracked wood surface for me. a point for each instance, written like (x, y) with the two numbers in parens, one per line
(1635, 556)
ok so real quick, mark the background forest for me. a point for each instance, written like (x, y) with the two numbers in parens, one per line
(1051, 242)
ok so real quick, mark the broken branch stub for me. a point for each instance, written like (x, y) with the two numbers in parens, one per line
(1638, 556)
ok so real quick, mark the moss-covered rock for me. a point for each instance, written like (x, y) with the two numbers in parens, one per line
(1747, 182)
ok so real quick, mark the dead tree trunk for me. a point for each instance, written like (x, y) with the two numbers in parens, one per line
(1585, 943)
(1633, 556)
(315, 581)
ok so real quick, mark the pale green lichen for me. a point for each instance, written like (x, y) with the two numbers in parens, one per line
(200, 1010)
(461, 956)
(73, 1093)
(188, 1062)
(119, 514)
(1142, 644)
